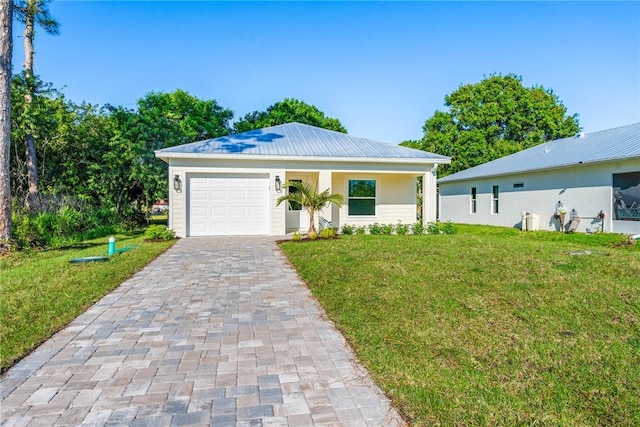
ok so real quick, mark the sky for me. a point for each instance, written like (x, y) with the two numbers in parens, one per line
(381, 68)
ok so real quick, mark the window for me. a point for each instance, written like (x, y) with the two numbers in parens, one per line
(474, 199)
(362, 197)
(518, 185)
(294, 206)
(495, 202)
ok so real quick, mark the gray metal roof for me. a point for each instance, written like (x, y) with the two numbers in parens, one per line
(298, 140)
(607, 145)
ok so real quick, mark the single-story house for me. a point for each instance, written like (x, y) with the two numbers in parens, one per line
(594, 176)
(230, 185)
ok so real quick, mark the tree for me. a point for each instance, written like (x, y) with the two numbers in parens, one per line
(492, 119)
(6, 45)
(161, 120)
(30, 13)
(310, 200)
(287, 111)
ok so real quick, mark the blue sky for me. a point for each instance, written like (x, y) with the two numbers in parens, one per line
(381, 68)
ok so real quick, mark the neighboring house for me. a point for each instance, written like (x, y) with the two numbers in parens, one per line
(588, 173)
(230, 185)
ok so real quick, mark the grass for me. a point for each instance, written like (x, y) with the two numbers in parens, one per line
(42, 292)
(488, 326)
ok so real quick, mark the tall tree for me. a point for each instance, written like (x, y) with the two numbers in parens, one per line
(287, 111)
(494, 118)
(161, 120)
(6, 21)
(30, 13)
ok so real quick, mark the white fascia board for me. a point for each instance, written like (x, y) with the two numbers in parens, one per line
(164, 156)
(444, 180)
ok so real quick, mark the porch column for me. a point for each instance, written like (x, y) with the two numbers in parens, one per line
(429, 196)
(324, 182)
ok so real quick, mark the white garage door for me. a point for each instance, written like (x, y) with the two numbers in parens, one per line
(234, 204)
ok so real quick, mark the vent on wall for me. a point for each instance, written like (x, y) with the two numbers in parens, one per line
(518, 185)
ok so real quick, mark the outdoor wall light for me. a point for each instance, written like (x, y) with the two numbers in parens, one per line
(278, 184)
(177, 184)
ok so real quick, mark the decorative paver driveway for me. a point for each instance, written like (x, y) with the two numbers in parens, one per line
(216, 331)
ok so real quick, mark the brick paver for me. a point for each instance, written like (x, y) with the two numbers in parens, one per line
(216, 331)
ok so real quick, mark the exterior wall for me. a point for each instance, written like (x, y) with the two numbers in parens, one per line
(395, 186)
(395, 198)
(585, 188)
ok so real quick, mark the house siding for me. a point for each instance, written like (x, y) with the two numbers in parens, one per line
(586, 188)
(396, 188)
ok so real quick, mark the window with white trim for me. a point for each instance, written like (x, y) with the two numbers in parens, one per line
(495, 203)
(362, 197)
(474, 199)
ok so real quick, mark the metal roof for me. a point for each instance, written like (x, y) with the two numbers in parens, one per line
(607, 145)
(297, 140)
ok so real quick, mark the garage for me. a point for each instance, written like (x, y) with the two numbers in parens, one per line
(228, 204)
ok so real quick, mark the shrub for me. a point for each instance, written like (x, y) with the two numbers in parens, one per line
(296, 236)
(448, 228)
(440, 228)
(401, 229)
(361, 230)
(375, 228)
(417, 228)
(159, 233)
(348, 230)
(312, 236)
(328, 233)
(387, 229)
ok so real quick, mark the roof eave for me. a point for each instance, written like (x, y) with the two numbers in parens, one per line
(417, 160)
(534, 170)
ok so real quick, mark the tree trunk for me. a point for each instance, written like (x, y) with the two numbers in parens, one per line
(312, 223)
(33, 197)
(6, 21)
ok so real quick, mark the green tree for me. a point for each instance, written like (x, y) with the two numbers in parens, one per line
(310, 200)
(30, 13)
(161, 120)
(494, 118)
(287, 111)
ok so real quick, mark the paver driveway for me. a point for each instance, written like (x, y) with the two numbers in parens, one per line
(216, 331)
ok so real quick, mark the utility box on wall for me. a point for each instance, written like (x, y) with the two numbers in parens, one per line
(530, 222)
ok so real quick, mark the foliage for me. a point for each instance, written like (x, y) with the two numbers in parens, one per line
(361, 230)
(310, 200)
(417, 228)
(287, 111)
(59, 226)
(401, 229)
(494, 118)
(42, 292)
(328, 233)
(439, 228)
(348, 230)
(296, 236)
(159, 233)
(105, 156)
(312, 235)
(535, 336)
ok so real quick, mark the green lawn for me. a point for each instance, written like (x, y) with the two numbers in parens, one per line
(42, 291)
(488, 326)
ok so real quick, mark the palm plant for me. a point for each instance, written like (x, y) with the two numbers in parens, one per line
(310, 200)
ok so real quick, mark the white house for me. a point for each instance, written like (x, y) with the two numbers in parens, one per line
(230, 185)
(587, 174)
